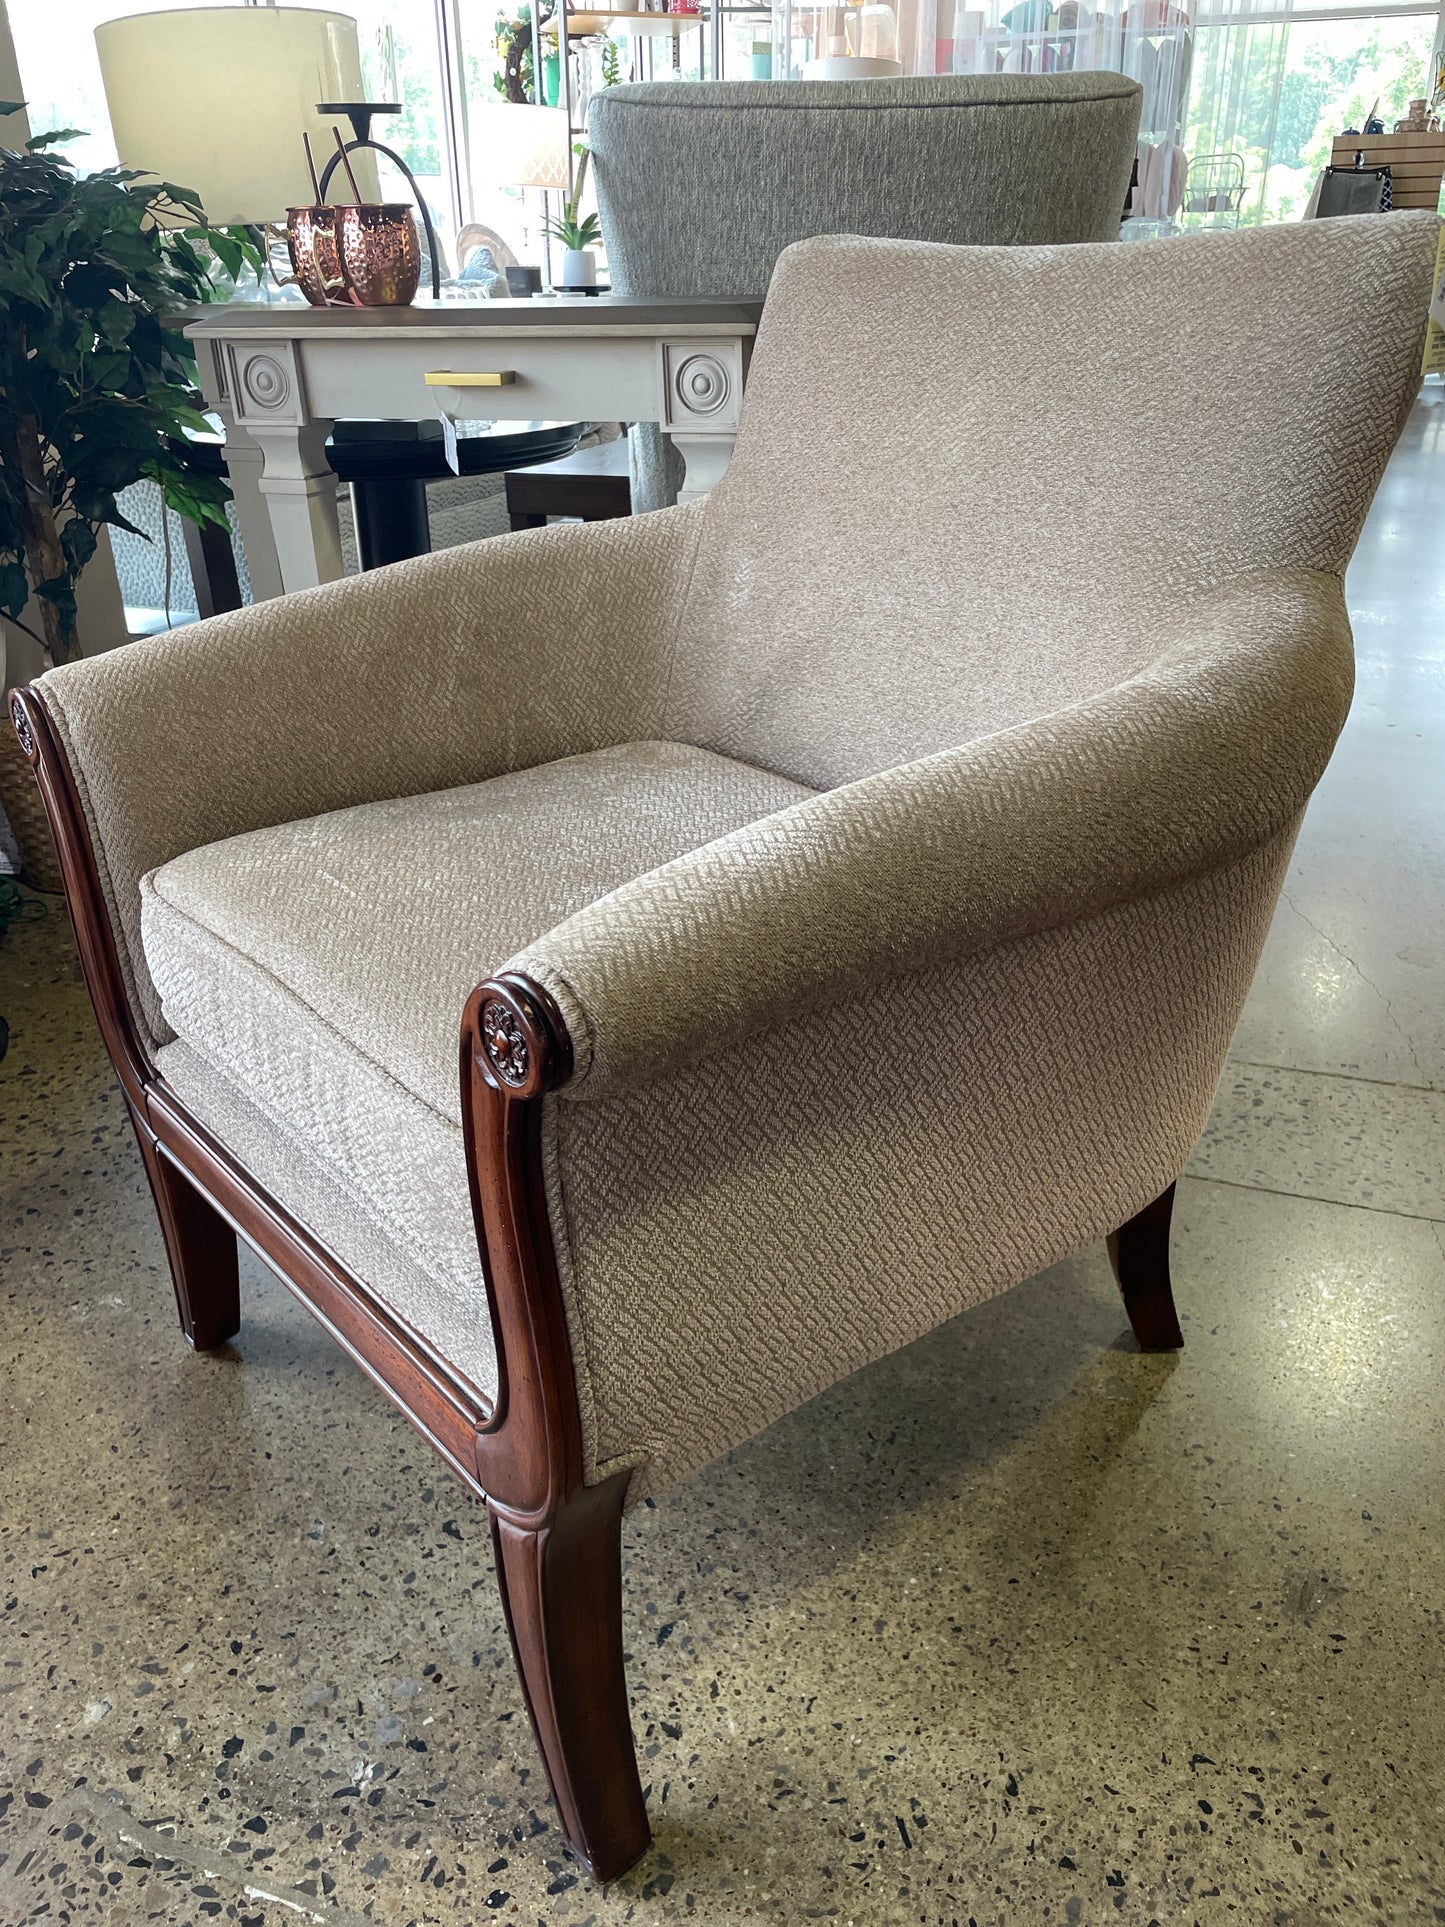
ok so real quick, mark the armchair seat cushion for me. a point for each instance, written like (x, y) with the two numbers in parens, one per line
(314, 974)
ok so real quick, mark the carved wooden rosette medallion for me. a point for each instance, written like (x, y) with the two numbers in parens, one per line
(703, 386)
(505, 1044)
(518, 1037)
(266, 381)
(21, 722)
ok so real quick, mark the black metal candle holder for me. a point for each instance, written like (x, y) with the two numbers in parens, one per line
(359, 113)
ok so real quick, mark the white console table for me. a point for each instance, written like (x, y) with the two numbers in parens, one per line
(280, 374)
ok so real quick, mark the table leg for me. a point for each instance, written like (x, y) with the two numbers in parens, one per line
(706, 458)
(702, 392)
(243, 466)
(299, 490)
(213, 568)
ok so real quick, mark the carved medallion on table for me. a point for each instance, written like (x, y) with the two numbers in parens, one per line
(264, 383)
(703, 384)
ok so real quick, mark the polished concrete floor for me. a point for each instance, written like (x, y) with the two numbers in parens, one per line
(1019, 1627)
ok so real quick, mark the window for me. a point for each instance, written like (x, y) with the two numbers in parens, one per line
(1335, 71)
(401, 60)
(1275, 88)
(60, 71)
(1265, 80)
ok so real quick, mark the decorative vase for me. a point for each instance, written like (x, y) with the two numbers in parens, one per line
(579, 268)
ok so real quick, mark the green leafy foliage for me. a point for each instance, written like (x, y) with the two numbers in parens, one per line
(576, 234)
(574, 229)
(96, 392)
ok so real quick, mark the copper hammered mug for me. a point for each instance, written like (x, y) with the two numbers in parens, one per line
(315, 262)
(364, 254)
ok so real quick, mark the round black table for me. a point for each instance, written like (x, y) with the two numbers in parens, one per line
(389, 463)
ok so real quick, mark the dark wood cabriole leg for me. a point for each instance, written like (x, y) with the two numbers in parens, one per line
(201, 1247)
(562, 1589)
(1139, 1253)
(557, 1539)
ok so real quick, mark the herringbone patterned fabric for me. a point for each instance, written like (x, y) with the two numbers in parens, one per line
(1076, 442)
(442, 671)
(360, 934)
(742, 1235)
(702, 186)
(388, 1196)
(1200, 758)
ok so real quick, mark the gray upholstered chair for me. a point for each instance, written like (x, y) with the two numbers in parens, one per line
(864, 868)
(701, 188)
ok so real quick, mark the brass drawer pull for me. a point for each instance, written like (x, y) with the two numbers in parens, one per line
(493, 378)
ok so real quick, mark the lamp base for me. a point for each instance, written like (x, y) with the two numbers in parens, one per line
(852, 67)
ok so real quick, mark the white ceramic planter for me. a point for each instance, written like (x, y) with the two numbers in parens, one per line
(579, 268)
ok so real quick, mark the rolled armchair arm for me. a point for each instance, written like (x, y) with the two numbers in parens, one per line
(446, 670)
(1200, 758)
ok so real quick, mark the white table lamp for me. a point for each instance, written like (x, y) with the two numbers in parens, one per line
(217, 98)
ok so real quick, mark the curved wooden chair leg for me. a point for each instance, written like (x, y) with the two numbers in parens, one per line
(201, 1247)
(562, 1589)
(1139, 1253)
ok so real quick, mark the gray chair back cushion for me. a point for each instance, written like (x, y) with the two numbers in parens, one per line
(1046, 453)
(702, 186)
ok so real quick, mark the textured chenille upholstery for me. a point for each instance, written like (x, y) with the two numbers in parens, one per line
(700, 188)
(324, 963)
(896, 837)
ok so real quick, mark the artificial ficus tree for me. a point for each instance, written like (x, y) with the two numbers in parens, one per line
(95, 391)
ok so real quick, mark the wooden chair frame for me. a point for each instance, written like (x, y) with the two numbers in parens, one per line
(557, 1539)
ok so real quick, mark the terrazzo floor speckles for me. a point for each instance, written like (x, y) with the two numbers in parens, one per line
(1017, 1627)
(1348, 1139)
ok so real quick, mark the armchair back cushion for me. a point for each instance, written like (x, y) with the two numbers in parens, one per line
(1001, 514)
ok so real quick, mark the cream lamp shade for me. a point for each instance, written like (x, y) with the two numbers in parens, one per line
(216, 99)
(525, 146)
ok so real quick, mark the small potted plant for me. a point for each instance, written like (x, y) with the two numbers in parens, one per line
(577, 237)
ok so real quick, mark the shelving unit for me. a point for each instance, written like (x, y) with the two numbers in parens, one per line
(657, 42)
(595, 21)
(1416, 163)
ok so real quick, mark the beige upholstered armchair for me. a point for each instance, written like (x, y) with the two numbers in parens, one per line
(845, 888)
